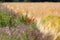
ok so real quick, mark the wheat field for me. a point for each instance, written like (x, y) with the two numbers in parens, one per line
(36, 10)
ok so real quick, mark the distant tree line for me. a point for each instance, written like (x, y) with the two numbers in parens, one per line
(29, 0)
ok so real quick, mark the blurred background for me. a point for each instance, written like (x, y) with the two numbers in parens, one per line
(29, 0)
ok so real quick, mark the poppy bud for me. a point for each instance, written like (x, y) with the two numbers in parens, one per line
(33, 19)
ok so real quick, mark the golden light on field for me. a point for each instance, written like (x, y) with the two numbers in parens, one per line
(38, 11)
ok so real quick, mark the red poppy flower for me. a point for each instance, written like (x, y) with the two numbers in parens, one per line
(28, 20)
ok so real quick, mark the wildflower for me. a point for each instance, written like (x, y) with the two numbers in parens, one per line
(28, 20)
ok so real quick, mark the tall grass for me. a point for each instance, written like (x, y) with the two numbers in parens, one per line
(9, 19)
(21, 27)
